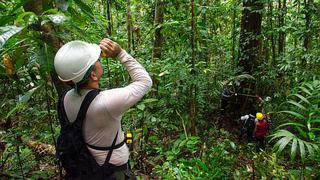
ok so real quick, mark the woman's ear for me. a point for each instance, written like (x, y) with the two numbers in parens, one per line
(94, 76)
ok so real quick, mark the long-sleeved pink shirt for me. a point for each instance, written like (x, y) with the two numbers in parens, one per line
(104, 115)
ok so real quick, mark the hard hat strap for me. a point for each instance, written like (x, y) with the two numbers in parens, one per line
(77, 86)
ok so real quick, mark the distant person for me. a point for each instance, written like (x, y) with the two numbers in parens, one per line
(260, 130)
(78, 63)
(224, 100)
(247, 126)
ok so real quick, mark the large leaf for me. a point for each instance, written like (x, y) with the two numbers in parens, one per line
(282, 143)
(295, 114)
(7, 32)
(297, 105)
(302, 98)
(291, 124)
(293, 149)
(302, 149)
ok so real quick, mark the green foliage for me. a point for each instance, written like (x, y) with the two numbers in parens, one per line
(303, 109)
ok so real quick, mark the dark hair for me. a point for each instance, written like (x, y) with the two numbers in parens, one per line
(79, 85)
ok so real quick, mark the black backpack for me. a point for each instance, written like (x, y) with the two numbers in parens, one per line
(72, 150)
(250, 122)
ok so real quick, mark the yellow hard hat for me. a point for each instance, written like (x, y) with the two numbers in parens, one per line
(259, 116)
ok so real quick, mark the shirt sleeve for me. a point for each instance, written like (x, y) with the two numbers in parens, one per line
(121, 99)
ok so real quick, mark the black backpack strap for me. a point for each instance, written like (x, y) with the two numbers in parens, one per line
(106, 148)
(84, 107)
(62, 115)
(112, 148)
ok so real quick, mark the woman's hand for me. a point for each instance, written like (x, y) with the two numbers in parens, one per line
(109, 48)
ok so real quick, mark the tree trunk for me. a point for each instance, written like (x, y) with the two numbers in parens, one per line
(273, 48)
(249, 46)
(129, 25)
(307, 37)
(108, 15)
(249, 35)
(158, 20)
(47, 31)
(193, 87)
(282, 35)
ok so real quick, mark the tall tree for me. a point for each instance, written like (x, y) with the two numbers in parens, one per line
(158, 20)
(271, 37)
(281, 22)
(249, 46)
(192, 87)
(307, 37)
(129, 25)
(249, 36)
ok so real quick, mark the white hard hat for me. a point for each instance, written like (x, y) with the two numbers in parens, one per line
(73, 60)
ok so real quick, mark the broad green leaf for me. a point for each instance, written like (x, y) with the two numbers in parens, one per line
(290, 124)
(297, 104)
(305, 90)
(302, 98)
(7, 32)
(283, 143)
(281, 133)
(302, 149)
(295, 114)
(293, 149)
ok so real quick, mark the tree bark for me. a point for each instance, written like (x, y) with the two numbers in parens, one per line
(158, 20)
(193, 87)
(282, 35)
(273, 48)
(108, 16)
(307, 37)
(129, 25)
(249, 35)
(249, 46)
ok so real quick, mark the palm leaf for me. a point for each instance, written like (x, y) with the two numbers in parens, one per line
(302, 149)
(295, 114)
(8, 32)
(293, 149)
(301, 97)
(297, 104)
(305, 90)
(291, 124)
(283, 143)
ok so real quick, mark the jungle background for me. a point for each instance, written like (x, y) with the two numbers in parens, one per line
(266, 52)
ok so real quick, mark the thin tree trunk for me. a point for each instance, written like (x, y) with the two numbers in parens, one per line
(234, 34)
(307, 36)
(129, 25)
(192, 89)
(108, 15)
(273, 48)
(158, 20)
(281, 17)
